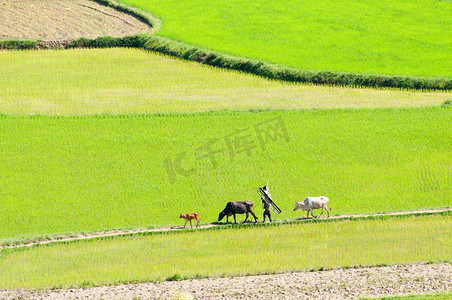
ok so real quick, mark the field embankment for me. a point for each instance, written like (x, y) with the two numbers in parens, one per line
(61, 20)
(73, 236)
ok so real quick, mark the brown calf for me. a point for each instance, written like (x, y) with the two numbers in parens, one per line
(189, 217)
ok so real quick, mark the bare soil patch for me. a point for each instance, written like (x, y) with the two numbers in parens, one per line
(64, 19)
(331, 284)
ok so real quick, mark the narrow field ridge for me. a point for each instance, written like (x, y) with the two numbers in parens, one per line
(128, 232)
(339, 283)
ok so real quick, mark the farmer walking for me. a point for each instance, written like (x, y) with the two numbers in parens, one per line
(266, 206)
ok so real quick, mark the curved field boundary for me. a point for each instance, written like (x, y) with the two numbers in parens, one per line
(284, 73)
(185, 51)
(212, 226)
(141, 15)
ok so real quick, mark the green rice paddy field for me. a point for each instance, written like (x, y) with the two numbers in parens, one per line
(85, 173)
(380, 37)
(198, 253)
(71, 173)
(98, 139)
(123, 81)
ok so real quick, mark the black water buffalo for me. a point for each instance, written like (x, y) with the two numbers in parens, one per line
(240, 207)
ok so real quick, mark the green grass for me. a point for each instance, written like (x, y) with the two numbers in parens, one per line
(121, 81)
(228, 252)
(444, 296)
(86, 173)
(379, 37)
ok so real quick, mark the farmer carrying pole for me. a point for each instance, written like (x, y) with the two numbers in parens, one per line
(266, 197)
(267, 205)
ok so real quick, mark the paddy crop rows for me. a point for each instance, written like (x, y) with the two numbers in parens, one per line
(95, 81)
(384, 37)
(228, 252)
(86, 173)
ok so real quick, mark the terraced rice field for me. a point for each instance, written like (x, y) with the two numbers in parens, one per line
(379, 37)
(102, 139)
(123, 81)
(88, 173)
(240, 251)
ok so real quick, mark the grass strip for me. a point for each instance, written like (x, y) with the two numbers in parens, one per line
(439, 296)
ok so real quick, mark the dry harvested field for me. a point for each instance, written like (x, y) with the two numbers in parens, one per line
(332, 284)
(65, 19)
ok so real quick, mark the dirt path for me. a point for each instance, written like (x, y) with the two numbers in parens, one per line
(332, 284)
(165, 229)
(64, 19)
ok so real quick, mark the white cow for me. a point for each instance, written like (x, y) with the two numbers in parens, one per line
(311, 203)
